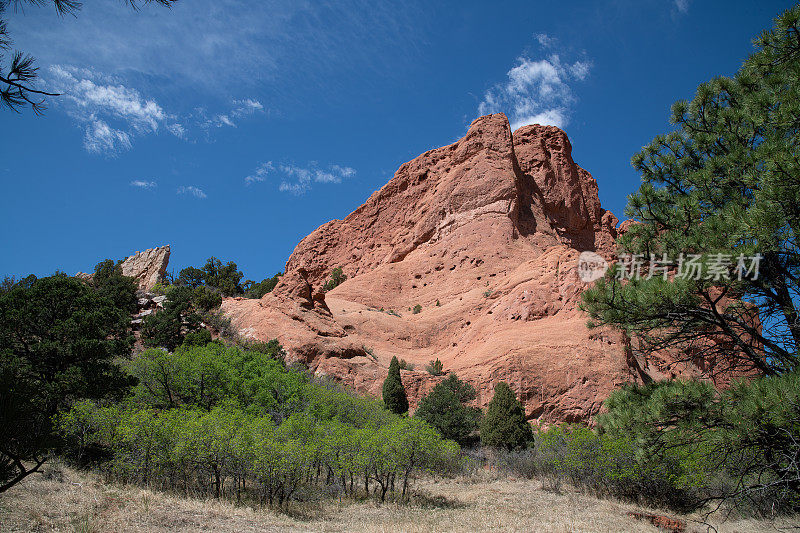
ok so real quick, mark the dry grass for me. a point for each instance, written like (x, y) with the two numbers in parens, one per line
(84, 503)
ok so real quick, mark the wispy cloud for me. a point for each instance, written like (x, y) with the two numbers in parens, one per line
(192, 190)
(682, 5)
(240, 108)
(260, 173)
(144, 184)
(95, 100)
(297, 179)
(537, 91)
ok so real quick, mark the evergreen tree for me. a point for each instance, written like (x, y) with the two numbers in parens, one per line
(394, 394)
(504, 425)
(59, 340)
(444, 408)
(723, 185)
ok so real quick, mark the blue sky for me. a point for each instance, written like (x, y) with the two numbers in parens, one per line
(234, 128)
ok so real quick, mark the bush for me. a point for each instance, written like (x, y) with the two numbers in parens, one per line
(258, 290)
(221, 323)
(435, 368)
(417, 309)
(197, 338)
(205, 298)
(337, 278)
(405, 365)
(504, 425)
(444, 408)
(231, 423)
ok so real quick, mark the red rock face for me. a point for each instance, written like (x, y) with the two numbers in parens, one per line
(485, 235)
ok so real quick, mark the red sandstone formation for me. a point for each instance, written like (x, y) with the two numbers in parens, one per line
(485, 235)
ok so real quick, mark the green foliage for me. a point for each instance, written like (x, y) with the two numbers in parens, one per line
(435, 367)
(109, 282)
(504, 425)
(225, 278)
(723, 182)
(417, 309)
(234, 423)
(405, 365)
(739, 445)
(205, 298)
(444, 408)
(337, 278)
(258, 290)
(394, 394)
(59, 338)
(200, 337)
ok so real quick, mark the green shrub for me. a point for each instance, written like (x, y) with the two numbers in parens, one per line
(337, 278)
(417, 309)
(205, 298)
(435, 367)
(258, 290)
(504, 425)
(405, 365)
(444, 408)
(230, 423)
(200, 337)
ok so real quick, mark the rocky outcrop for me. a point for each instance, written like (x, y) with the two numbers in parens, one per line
(483, 234)
(148, 267)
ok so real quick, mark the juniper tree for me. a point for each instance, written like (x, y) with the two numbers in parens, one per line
(444, 408)
(504, 425)
(394, 394)
(725, 181)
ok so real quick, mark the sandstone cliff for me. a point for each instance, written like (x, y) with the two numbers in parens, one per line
(485, 235)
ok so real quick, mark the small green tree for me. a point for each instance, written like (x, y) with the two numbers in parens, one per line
(394, 394)
(504, 425)
(417, 309)
(444, 408)
(337, 278)
(258, 290)
(435, 368)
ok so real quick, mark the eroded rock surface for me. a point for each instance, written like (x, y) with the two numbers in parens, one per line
(485, 235)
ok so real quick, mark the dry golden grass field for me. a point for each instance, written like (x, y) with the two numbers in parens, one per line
(78, 502)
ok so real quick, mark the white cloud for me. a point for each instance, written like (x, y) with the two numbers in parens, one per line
(99, 137)
(240, 108)
(260, 174)
(178, 130)
(143, 184)
(298, 179)
(682, 5)
(95, 99)
(192, 190)
(545, 41)
(536, 92)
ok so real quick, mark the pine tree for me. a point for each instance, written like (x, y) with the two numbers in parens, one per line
(394, 394)
(722, 184)
(444, 408)
(504, 425)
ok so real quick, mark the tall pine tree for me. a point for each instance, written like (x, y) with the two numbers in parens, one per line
(722, 185)
(504, 425)
(394, 394)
